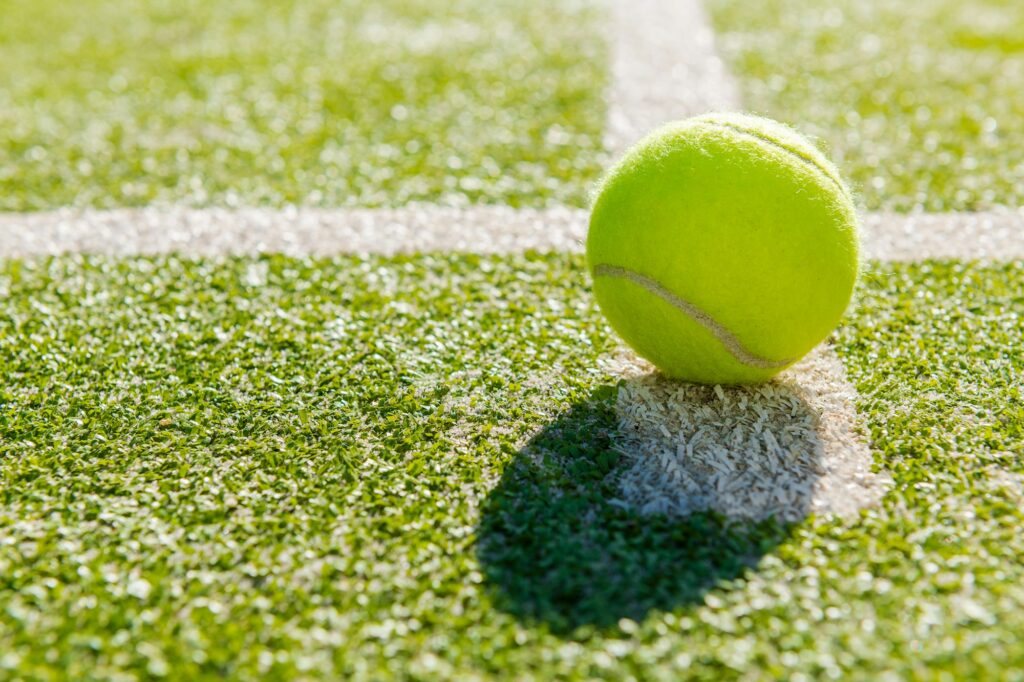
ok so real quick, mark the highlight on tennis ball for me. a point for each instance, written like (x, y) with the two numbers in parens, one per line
(723, 248)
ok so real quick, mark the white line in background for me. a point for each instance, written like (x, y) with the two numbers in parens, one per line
(294, 231)
(995, 236)
(664, 68)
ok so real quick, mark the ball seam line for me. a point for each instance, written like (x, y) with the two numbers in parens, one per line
(792, 152)
(728, 340)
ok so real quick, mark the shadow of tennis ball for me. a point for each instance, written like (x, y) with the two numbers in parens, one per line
(557, 547)
(651, 492)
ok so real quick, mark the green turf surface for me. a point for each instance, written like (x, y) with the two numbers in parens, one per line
(285, 469)
(369, 102)
(918, 101)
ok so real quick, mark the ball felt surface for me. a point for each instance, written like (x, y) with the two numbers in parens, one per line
(723, 248)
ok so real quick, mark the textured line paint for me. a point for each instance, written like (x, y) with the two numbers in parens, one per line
(808, 410)
(724, 336)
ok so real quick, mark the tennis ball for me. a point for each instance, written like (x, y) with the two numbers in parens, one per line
(723, 248)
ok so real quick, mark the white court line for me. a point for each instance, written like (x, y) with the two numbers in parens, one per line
(996, 235)
(295, 231)
(664, 68)
(787, 449)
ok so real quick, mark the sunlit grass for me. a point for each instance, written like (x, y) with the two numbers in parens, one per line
(279, 468)
(118, 102)
(919, 102)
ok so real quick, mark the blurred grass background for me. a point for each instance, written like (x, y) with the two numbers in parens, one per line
(363, 102)
(124, 103)
(919, 102)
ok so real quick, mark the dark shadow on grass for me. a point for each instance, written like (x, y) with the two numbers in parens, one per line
(556, 550)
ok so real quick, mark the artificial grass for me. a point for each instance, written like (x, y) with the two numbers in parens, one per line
(239, 102)
(311, 469)
(919, 102)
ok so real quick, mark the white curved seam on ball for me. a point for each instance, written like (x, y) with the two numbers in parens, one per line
(792, 152)
(724, 336)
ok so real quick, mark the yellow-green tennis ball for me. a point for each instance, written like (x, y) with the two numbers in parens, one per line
(723, 248)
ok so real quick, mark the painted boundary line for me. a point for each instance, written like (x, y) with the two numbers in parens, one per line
(996, 235)
(992, 236)
(664, 67)
(295, 231)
